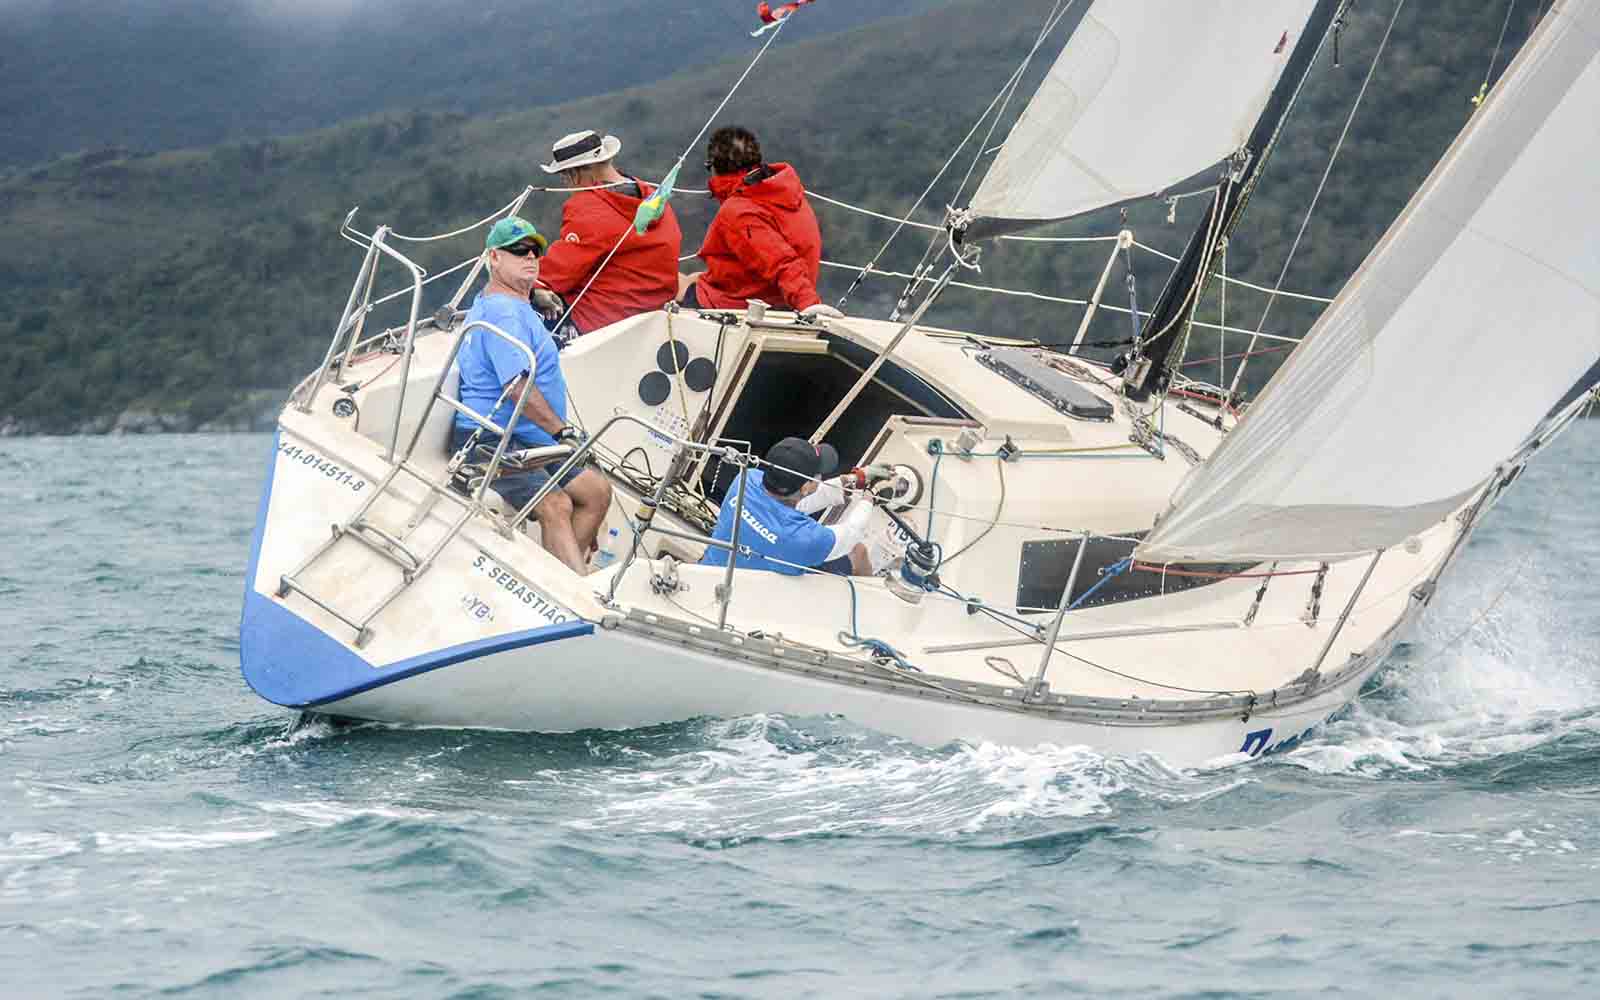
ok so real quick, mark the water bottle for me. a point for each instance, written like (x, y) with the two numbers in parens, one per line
(609, 549)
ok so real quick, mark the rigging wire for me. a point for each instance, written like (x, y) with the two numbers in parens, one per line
(772, 37)
(1032, 634)
(1377, 56)
(1232, 281)
(1483, 88)
(1237, 356)
(1040, 296)
(1516, 575)
(502, 210)
(1015, 75)
(1000, 470)
(922, 270)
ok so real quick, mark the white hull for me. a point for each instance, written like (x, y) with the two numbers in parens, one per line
(612, 681)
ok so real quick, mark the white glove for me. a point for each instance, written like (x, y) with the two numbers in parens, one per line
(821, 311)
(879, 473)
(548, 304)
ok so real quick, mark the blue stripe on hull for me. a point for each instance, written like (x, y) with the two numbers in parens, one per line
(289, 661)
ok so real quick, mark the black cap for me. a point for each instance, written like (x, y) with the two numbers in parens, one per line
(793, 460)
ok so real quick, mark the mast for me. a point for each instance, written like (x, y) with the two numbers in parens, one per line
(1147, 368)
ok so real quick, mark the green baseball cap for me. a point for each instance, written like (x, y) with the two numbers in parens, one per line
(513, 229)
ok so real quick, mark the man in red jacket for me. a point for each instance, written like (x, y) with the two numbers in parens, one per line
(764, 243)
(643, 273)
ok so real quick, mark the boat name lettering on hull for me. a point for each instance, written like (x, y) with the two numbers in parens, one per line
(503, 578)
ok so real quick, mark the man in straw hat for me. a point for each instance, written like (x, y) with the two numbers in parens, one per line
(493, 372)
(643, 273)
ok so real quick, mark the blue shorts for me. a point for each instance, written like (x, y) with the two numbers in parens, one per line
(515, 488)
(838, 567)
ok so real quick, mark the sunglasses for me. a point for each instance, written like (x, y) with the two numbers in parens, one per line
(523, 249)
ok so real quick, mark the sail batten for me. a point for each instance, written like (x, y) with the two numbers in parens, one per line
(1455, 341)
(1199, 74)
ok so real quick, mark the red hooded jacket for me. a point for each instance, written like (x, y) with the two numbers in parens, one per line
(640, 278)
(764, 244)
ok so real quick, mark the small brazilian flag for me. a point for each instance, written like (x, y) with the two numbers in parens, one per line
(652, 207)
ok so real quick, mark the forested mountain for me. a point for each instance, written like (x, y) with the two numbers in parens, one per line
(178, 282)
(148, 75)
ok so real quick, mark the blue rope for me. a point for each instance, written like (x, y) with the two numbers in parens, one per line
(1115, 569)
(852, 638)
(877, 647)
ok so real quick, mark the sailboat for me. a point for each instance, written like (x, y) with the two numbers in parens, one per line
(1072, 552)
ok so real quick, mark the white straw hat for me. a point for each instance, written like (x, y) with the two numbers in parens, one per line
(580, 149)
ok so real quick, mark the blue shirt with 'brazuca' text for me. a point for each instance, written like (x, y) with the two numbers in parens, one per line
(771, 528)
(488, 363)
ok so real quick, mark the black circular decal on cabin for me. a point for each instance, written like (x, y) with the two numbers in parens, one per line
(654, 388)
(700, 374)
(670, 352)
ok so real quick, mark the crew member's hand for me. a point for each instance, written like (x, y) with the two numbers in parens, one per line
(569, 435)
(820, 311)
(872, 475)
(548, 304)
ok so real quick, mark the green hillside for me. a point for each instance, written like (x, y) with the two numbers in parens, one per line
(79, 75)
(175, 283)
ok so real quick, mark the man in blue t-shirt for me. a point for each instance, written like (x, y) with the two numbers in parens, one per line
(775, 523)
(493, 372)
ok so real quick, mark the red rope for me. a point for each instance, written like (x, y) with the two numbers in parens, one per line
(1244, 354)
(1157, 568)
(1202, 397)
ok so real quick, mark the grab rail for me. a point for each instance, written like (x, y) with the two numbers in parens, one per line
(481, 420)
(353, 320)
(410, 342)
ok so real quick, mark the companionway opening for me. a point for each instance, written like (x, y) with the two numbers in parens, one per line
(790, 392)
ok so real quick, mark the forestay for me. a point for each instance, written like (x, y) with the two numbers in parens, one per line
(1473, 317)
(1146, 93)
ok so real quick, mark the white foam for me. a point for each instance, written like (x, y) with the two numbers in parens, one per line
(322, 813)
(1497, 667)
(760, 777)
(146, 841)
(23, 847)
(1369, 755)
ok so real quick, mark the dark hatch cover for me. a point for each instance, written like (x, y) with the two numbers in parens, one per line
(1021, 367)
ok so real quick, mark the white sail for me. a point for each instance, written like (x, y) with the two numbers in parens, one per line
(1474, 315)
(1146, 93)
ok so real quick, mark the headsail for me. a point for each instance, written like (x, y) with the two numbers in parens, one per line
(1145, 94)
(1468, 321)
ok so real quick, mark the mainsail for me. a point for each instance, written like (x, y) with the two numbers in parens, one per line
(1466, 324)
(1145, 94)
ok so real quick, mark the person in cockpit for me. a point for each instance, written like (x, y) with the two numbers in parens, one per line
(493, 373)
(626, 272)
(776, 529)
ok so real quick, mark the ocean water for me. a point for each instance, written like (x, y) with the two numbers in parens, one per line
(165, 833)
